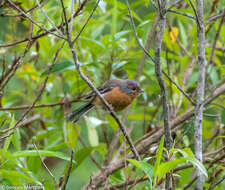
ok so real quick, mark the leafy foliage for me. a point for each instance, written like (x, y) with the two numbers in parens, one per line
(106, 49)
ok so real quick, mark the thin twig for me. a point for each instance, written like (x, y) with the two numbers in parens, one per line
(212, 55)
(69, 171)
(45, 14)
(90, 16)
(42, 161)
(6, 136)
(217, 183)
(180, 13)
(147, 47)
(215, 17)
(41, 105)
(179, 88)
(175, 3)
(72, 12)
(196, 15)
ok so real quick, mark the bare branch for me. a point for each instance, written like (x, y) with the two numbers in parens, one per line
(200, 92)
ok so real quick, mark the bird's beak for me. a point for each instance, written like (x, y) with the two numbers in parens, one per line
(141, 90)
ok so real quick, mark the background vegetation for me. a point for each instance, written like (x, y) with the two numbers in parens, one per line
(39, 86)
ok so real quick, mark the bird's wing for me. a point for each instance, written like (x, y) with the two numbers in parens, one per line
(101, 89)
(108, 86)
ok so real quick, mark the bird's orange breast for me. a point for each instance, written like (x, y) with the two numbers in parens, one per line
(117, 98)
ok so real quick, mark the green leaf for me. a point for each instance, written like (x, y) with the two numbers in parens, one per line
(223, 116)
(192, 80)
(8, 139)
(148, 169)
(135, 163)
(164, 168)
(72, 134)
(34, 164)
(213, 74)
(198, 164)
(58, 67)
(188, 154)
(145, 167)
(81, 154)
(16, 139)
(111, 121)
(12, 175)
(93, 42)
(139, 116)
(118, 35)
(158, 158)
(92, 132)
(28, 153)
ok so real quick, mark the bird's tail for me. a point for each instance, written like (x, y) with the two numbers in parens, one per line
(76, 114)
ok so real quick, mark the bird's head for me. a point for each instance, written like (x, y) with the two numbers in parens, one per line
(132, 88)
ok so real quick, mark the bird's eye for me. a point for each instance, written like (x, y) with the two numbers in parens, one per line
(133, 88)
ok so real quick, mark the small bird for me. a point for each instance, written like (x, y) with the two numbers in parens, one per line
(117, 92)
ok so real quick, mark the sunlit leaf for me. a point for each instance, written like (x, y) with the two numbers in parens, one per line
(92, 132)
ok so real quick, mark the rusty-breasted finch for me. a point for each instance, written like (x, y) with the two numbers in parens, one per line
(117, 92)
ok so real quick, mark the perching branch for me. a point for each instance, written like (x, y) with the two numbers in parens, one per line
(90, 84)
